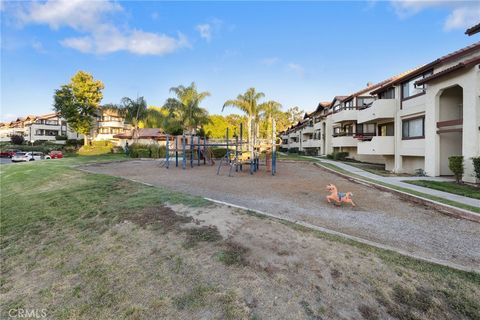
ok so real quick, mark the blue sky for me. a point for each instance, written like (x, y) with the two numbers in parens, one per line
(298, 53)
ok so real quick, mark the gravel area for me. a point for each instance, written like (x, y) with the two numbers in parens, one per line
(298, 191)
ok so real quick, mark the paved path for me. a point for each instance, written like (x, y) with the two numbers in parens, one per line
(397, 181)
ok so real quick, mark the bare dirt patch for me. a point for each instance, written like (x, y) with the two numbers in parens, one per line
(298, 192)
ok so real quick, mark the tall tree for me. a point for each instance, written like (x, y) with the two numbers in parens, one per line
(248, 103)
(185, 109)
(78, 102)
(295, 115)
(270, 111)
(134, 111)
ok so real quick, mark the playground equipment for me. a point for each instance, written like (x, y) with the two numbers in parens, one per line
(339, 197)
(239, 152)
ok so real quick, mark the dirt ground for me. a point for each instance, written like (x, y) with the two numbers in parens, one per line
(298, 191)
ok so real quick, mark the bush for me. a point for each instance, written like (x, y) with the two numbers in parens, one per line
(60, 137)
(219, 152)
(293, 150)
(137, 150)
(341, 156)
(17, 139)
(455, 163)
(74, 142)
(330, 156)
(476, 167)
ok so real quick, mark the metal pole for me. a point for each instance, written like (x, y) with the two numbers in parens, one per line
(184, 155)
(236, 151)
(204, 150)
(227, 154)
(274, 148)
(176, 151)
(198, 151)
(251, 146)
(241, 142)
(167, 158)
(191, 151)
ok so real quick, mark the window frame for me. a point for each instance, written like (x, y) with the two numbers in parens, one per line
(411, 119)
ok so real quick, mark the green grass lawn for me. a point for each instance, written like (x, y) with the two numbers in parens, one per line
(293, 157)
(66, 246)
(449, 186)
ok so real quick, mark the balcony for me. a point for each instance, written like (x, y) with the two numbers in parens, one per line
(379, 145)
(111, 124)
(344, 140)
(345, 115)
(379, 110)
(311, 143)
(307, 129)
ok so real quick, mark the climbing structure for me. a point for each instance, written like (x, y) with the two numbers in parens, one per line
(198, 150)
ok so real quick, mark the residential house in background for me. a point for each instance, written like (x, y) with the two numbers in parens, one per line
(48, 127)
(108, 124)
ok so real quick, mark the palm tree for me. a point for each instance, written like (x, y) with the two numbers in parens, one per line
(185, 109)
(134, 111)
(270, 110)
(248, 103)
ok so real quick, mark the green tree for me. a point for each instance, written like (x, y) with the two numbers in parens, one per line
(295, 115)
(184, 111)
(216, 127)
(248, 103)
(134, 111)
(78, 102)
(270, 110)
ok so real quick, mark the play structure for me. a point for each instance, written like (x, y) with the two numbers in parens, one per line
(197, 150)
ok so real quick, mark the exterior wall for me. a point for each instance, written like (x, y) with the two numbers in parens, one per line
(410, 164)
(469, 81)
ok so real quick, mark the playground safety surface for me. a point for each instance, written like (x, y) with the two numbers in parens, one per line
(298, 192)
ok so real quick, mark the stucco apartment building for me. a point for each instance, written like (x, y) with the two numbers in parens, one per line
(46, 127)
(50, 127)
(412, 121)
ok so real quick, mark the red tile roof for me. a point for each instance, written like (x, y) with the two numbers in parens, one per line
(143, 133)
(461, 65)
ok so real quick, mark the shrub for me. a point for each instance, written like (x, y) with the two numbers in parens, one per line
(60, 137)
(137, 150)
(219, 152)
(330, 156)
(293, 150)
(455, 163)
(476, 167)
(340, 156)
(17, 139)
(74, 142)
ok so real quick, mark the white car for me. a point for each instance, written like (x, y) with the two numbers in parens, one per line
(27, 156)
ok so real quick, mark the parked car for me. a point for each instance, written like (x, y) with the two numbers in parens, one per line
(27, 156)
(8, 153)
(54, 154)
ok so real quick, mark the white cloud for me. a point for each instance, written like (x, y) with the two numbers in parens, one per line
(270, 61)
(38, 46)
(205, 31)
(463, 14)
(99, 34)
(208, 29)
(462, 18)
(296, 68)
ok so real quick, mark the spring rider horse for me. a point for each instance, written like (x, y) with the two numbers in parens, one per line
(339, 197)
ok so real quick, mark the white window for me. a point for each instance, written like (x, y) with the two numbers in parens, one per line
(410, 89)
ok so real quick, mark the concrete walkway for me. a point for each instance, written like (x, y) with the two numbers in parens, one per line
(397, 181)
